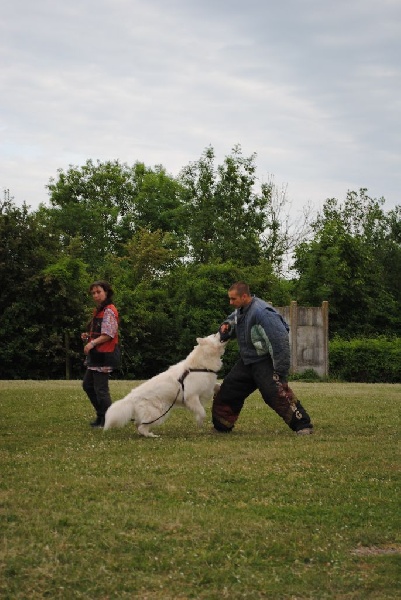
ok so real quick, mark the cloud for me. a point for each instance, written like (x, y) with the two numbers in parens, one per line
(312, 87)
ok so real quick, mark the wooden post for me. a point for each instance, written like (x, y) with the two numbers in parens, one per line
(325, 319)
(67, 355)
(294, 334)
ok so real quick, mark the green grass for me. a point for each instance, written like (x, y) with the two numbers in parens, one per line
(259, 513)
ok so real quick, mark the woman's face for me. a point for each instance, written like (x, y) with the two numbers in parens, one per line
(98, 295)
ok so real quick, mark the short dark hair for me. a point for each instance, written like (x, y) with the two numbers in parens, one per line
(241, 288)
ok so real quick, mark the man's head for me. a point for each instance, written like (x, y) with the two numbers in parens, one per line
(239, 294)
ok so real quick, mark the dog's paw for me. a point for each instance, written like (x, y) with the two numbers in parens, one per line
(144, 430)
(200, 420)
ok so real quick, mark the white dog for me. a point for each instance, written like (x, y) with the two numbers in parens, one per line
(189, 384)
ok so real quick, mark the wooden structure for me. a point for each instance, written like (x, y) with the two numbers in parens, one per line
(309, 333)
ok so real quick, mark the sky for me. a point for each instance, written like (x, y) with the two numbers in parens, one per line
(312, 87)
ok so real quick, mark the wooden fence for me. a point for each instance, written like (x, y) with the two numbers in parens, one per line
(309, 328)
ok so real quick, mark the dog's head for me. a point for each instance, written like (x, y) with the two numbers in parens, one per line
(214, 342)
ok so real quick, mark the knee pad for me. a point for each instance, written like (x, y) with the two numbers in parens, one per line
(224, 415)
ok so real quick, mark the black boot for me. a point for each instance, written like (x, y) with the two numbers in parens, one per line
(300, 420)
(99, 422)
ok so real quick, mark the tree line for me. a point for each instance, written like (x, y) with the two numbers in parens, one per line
(171, 246)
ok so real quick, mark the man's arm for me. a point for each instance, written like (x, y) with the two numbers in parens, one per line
(277, 335)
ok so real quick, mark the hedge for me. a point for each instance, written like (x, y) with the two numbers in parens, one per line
(368, 360)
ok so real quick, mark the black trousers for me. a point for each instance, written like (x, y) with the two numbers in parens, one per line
(241, 381)
(96, 386)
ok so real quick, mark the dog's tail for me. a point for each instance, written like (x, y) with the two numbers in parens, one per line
(119, 413)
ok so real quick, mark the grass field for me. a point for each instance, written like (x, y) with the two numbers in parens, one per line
(259, 513)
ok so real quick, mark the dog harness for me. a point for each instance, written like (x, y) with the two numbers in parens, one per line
(185, 375)
(181, 382)
(188, 371)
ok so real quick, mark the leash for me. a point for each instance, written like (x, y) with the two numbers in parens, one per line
(168, 410)
(181, 382)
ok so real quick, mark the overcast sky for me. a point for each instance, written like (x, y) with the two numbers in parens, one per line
(313, 87)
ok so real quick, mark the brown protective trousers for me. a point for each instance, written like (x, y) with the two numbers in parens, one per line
(244, 379)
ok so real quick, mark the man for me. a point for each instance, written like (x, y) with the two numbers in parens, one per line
(264, 363)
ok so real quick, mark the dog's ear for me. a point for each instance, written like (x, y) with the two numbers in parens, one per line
(201, 341)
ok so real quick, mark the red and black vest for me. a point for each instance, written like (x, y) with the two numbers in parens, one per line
(105, 354)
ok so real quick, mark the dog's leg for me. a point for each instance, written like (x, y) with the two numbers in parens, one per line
(145, 431)
(193, 403)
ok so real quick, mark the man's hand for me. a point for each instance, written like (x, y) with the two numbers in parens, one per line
(225, 331)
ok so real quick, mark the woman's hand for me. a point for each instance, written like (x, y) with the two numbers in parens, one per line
(88, 347)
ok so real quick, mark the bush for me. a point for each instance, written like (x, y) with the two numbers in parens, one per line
(307, 375)
(369, 360)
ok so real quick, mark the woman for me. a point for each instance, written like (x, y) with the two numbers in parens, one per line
(101, 349)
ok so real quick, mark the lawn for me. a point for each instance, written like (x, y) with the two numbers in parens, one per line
(258, 513)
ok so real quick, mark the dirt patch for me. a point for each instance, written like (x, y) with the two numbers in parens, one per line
(377, 550)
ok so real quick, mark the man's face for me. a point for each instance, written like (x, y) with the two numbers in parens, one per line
(236, 300)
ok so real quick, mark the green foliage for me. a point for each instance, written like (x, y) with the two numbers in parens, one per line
(148, 337)
(347, 264)
(27, 244)
(369, 360)
(104, 204)
(44, 339)
(307, 375)
(88, 203)
(157, 202)
(256, 514)
(148, 255)
(161, 317)
(225, 217)
(198, 296)
(66, 282)
(171, 247)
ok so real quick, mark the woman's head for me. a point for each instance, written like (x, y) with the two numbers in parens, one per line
(101, 292)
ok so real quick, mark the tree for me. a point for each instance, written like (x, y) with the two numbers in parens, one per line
(102, 205)
(389, 254)
(345, 264)
(157, 203)
(225, 217)
(285, 229)
(27, 245)
(63, 311)
(229, 220)
(89, 203)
